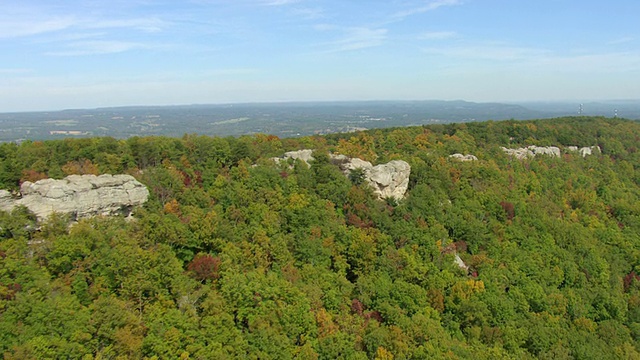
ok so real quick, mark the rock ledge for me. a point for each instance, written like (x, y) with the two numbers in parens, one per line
(80, 196)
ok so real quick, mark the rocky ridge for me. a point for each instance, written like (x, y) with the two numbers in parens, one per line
(553, 151)
(532, 151)
(389, 180)
(304, 155)
(80, 196)
(585, 151)
(460, 157)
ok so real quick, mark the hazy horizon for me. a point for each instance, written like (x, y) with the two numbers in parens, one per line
(635, 103)
(84, 54)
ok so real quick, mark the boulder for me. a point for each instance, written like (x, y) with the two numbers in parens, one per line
(461, 157)
(552, 151)
(6, 201)
(389, 180)
(589, 150)
(520, 154)
(304, 155)
(532, 151)
(79, 196)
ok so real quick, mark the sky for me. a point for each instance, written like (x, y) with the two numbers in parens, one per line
(94, 53)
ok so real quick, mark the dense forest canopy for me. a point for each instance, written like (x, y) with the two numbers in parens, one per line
(235, 256)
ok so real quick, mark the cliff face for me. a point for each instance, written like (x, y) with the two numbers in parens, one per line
(80, 196)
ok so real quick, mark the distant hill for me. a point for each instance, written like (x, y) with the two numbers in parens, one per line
(281, 119)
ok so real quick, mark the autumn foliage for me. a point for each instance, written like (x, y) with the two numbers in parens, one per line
(205, 267)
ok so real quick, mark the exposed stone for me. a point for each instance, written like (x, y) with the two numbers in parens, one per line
(532, 151)
(355, 163)
(389, 180)
(6, 201)
(552, 151)
(461, 157)
(521, 153)
(589, 150)
(80, 196)
(304, 155)
(458, 261)
(584, 151)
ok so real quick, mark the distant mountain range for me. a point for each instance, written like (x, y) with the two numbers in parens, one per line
(283, 119)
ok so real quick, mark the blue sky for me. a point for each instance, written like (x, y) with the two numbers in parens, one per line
(94, 53)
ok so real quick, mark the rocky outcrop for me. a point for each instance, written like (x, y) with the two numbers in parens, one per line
(304, 155)
(389, 180)
(585, 151)
(552, 151)
(79, 196)
(458, 261)
(461, 157)
(589, 150)
(6, 201)
(532, 151)
(521, 153)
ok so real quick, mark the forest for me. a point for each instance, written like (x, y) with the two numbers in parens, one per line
(237, 257)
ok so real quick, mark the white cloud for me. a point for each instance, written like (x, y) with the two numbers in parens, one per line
(426, 7)
(438, 35)
(279, 2)
(150, 25)
(23, 21)
(308, 13)
(539, 59)
(97, 47)
(356, 38)
(493, 52)
(11, 27)
(622, 40)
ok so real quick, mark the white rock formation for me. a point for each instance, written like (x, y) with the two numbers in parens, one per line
(461, 157)
(304, 155)
(589, 150)
(584, 151)
(389, 180)
(6, 201)
(521, 153)
(532, 151)
(458, 261)
(552, 151)
(80, 196)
